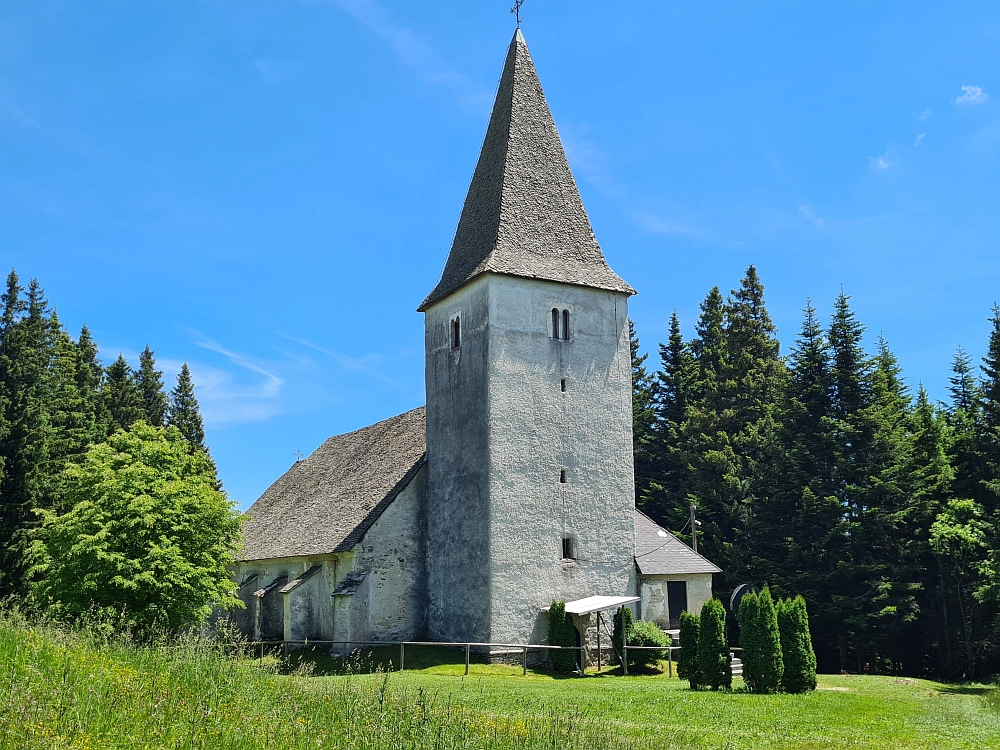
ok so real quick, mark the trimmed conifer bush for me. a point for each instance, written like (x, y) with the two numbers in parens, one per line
(762, 660)
(623, 623)
(713, 650)
(687, 660)
(796, 646)
(561, 633)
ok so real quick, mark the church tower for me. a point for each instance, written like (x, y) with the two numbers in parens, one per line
(529, 420)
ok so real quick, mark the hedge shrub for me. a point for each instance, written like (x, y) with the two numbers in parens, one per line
(796, 646)
(687, 661)
(645, 633)
(623, 623)
(762, 660)
(713, 650)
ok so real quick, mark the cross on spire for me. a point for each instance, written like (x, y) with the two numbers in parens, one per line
(516, 11)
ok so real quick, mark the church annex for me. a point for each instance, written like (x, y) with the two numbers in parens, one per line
(462, 520)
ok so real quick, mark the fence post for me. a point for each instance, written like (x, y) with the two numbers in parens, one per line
(670, 659)
(402, 657)
(524, 661)
(624, 649)
(467, 658)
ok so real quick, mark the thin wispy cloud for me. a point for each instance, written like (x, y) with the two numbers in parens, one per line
(923, 115)
(920, 138)
(881, 162)
(810, 215)
(655, 224)
(277, 71)
(373, 365)
(973, 95)
(415, 52)
(17, 114)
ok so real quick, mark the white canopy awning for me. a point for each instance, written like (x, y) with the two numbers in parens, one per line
(596, 604)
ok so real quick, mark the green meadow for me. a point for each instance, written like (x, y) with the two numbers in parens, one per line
(64, 689)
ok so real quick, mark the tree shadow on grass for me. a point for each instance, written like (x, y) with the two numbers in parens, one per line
(965, 689)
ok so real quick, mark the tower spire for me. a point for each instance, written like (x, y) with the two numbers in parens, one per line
(523, 215)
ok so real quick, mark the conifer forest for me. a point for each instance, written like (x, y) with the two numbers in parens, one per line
(822, 473)
(57, 401)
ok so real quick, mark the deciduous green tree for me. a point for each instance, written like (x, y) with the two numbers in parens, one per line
(147, 536)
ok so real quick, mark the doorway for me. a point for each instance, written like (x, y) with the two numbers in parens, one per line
(677, 601)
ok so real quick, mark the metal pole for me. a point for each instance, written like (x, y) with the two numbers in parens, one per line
(598, 642)
(670, 659)
(402, 656)
(694, 530)
(524, 661)
(624, 649)
(467, 658)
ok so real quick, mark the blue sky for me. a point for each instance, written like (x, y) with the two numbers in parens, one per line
(268, 189)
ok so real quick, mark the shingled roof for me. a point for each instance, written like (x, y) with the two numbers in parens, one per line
(327, 502)
(523, 215)
(658, 552)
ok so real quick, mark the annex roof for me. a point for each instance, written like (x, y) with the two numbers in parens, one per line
(597, 603)
(328, 501)
(658, 552)
(523, 215)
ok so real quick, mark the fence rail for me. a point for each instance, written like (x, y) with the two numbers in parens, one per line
(467, 646)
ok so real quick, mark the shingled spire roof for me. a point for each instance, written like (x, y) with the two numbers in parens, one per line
(523, 215)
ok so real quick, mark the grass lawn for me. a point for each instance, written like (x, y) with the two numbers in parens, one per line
(655, 711)
(61, 689)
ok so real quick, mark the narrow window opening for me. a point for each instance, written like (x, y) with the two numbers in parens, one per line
(565, 325)
(562, 385)
(562, 476)
(567, 548)
(555, 323)
(456, 333)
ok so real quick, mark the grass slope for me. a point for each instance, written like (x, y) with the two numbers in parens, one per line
(66, 690)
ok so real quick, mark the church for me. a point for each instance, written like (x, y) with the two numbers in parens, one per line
(461, 521)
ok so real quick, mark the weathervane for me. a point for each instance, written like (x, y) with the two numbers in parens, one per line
(516, 10)
(298, 456)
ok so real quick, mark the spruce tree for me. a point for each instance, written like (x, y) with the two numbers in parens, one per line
(184, 413)
(665, 500)
(89, 380)
(713, 651)
(797, 526)
(120, 395)
(150, 383)
(705, 447)
(799, 673)
(643, 417)
(70, 419)
(24, 372)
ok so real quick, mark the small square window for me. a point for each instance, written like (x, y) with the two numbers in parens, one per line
(568, 552)
(562, 476)
(456, 333)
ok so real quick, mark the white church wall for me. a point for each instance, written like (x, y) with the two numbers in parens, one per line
(394, 593)
(538, 430)
(458, 467)
(653, 594)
